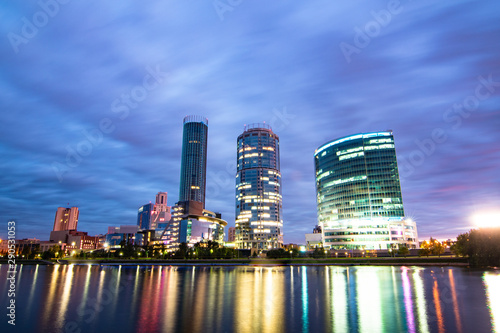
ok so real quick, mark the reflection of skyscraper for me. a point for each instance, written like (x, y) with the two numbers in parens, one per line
(359, 199)
(194, 159)
(66, 219)
(259, 223)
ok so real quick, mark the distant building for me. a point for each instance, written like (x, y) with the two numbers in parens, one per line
(231, 234)
(194, 159)
(75, 240)
(359, 199)
(161, 213)
(125, 233)
(144, 216)
(315, 239)
(66, 219)
(192, 224)
(259, 221)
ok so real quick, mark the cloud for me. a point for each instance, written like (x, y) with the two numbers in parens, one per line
(257, 61)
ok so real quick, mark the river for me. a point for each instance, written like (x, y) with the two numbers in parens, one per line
(92, 298)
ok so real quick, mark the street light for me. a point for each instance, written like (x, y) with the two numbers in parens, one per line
(336, 254)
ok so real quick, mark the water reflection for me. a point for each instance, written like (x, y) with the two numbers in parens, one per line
(408, 300)
(258, 299)
(421, 307)
(305, 300)
(369, 300)
(492, 283)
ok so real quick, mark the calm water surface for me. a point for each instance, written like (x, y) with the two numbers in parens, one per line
(88, 298)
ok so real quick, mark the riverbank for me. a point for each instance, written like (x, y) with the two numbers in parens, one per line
(410, 261)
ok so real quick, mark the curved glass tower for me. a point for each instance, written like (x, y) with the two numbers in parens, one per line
(359, 199)
(259, 224)
(194, 159)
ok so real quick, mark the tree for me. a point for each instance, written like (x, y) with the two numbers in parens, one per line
(403, 251)
(319, 252)
(432, 246)
(437, 248)
(424, 252)
(461, 246)
(482, 246)
(182, 252)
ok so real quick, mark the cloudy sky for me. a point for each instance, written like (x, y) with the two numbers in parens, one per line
(93, 95)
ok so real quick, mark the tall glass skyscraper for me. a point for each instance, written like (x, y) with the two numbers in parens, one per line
(194, 159)
(259, 224)
(359, 199)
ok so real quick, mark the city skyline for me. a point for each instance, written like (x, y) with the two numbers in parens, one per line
(102, 131)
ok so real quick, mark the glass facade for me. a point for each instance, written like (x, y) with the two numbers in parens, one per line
(359, 194)
(144, 217)
(194, 159)
(259, 223)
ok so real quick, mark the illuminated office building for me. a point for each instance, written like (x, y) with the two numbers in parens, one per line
(194, 159)
(259, 223)
(144, 217)
(66, 219)
(190, 222)
(359, 199)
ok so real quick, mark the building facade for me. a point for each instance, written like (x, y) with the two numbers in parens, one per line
(144, 216)
(259, 223)
(66, 219)
(231, 234)
(194, 159)
(191, 224)
(161, 213)
(359, 200)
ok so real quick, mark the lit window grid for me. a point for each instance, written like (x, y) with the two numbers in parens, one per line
(361, 186)
(258, 192)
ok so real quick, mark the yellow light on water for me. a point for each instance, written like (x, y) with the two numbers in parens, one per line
(487, 220)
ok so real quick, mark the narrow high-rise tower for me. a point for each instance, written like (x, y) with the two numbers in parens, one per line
(259, 224)
(194, 159)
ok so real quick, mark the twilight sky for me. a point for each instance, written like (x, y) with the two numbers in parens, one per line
(93, 95)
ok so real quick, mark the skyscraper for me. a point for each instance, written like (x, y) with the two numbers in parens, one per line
(66, 219)
(259, 223)
(191, 222)
(194, 159)
(359, 199)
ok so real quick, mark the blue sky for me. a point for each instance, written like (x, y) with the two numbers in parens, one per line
(93, 95)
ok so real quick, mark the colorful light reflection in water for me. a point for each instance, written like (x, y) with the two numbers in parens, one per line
(492, 283)
(256, 299)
